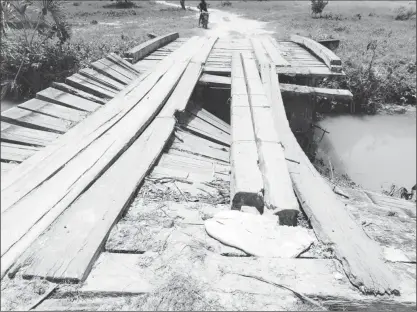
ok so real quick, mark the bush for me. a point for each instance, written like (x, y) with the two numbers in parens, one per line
(404, 14)
(31, 69)
(226, 3)
(317, 6)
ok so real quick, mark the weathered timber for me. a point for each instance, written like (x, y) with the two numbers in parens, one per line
(74, 91)
(331, 44)
(201, 113)
(122, 62)
(27, 136)
(53, 110)
(149, 46)
(273, 52)
(6, 166)
(63, 153)
(278, 192)
(127, 72)
(91, 86)
(246, 187)
(11, 152)
(109, 70)
(66, 99)
(215, 81)
(74, 241)
(102, 79)
(337, 94)
(362, 258)
(328, 57)
(29, 119)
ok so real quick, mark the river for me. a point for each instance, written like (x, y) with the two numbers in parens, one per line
(374, 151)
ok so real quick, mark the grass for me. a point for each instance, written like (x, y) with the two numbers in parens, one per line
(392, 77)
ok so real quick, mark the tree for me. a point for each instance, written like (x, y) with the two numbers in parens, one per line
(317, 6)
(182, 2)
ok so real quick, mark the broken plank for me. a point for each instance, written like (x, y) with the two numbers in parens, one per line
(215, 81)
(108, 70)
(149, 46)
(11, 152)
(74, 257)
(27, 136)
(120, 69)
(122, 62)
(29, 119)
(273, 53)
(209, 118)
(362, 258)
(90, 86)
(53, 110)
(74, 91)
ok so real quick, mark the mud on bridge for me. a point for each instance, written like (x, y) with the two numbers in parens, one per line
(181, 166)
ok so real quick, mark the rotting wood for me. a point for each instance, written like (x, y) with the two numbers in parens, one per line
(90, 86)
(53, 110)
(337, 94)
(74, 168)
(328, 57)
(149, 46)
(29, 119)
(75, 241)
(66, 99)
(246, 187)
(278, 192)
(102, 79)
(362, 258)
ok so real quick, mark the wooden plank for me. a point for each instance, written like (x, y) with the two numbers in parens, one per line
(122, 62)
(7, 166)
(337, 94)
(362, 258)
(279, 196)
(91, 86)
(110, 71)
(84, 159)
(209, 118)
(53, 110)
(66, 99)
(74, 91)
(273, 53)
(246, 188)
(149, 46)
(328, 57)
(102, 79)
(25, 118)
(15, 152)
(27, 136)
(215, 81)
(260, 52)
(118, 68)
(75, 239)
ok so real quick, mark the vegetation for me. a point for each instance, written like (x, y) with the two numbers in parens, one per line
(317, 6)
(379, 61)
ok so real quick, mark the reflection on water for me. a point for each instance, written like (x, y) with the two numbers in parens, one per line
(375, 151)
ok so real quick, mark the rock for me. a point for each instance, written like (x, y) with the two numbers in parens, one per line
(258, 235)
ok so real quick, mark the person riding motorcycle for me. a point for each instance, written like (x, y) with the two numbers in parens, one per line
(203, 8)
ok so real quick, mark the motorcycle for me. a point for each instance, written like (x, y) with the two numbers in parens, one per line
(204, 19)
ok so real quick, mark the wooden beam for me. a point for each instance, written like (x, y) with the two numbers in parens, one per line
(246, 187)
(273, 52)
(278, 192)
(328, 57)
(93, 155)
(362, 258)
(149, 46)
(336, 94)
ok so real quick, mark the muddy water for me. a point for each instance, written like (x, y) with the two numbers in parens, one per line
(375, 151)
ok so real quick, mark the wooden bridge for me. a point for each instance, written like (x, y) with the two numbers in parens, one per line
(142, 129)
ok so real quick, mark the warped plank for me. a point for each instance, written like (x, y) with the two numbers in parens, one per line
(27, 136)
(74, 91)
(118, 68)
(75, 239)
(29, 119)
(149, 46)
(122, 62)
(93, 155)
(362, 258)
(328, 57)
(215, 81)
(66, 99)
(273, 53)
(246, 187)
(203, 114)
(53, 110)
(90, 86)
(15, 152)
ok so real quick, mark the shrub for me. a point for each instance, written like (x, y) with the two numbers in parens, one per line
(226, 3)
(317, 6)
(404, 14)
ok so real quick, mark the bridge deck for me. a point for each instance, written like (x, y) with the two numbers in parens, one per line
(140, 218)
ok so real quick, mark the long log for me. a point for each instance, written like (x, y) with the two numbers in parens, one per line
(149, 46)
(362, 258)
